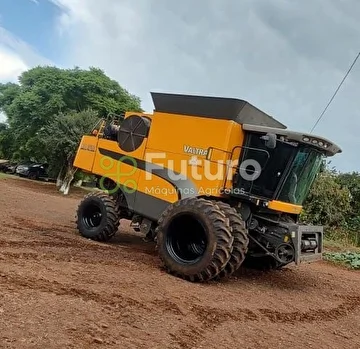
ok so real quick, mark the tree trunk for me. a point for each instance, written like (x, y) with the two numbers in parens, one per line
(69, 176)
(59, 179)
(65, 187)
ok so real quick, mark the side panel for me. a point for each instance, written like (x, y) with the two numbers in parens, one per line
(121, 167)
(86, 152)
(149, 198)
(181, 144)
(178, 134)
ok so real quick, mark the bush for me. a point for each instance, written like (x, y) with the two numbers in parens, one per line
(350, 259)
(334, 202)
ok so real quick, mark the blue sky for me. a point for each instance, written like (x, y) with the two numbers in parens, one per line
(285, 57)
(34, 24)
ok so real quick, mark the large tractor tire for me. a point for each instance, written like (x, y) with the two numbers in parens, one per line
(194, 240)
(98, 217)
(241, 240)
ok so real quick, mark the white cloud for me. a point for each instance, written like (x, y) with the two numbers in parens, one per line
(16, 56)
(20, 48)
(11, 65)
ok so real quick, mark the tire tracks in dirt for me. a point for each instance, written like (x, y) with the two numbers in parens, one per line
(43, 285)
(205, 319)
(81, 253)
(211, 317)
(53, 257)
(116, 300)
(40, 231)
(118, 306)
(189, 336)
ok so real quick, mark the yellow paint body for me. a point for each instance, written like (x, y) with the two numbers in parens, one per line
(168, 137)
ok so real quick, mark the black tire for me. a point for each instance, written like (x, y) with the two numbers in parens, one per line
(206, 251)
(93, 226)
(33, 176)
(241, 240)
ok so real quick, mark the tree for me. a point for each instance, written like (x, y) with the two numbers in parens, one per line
(351, 181)
(328, 202)
(43, 93)
(338, 195)
(7, 143)
(8, 92)
(61, 137)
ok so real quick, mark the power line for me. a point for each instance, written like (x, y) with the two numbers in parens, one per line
(322, 114)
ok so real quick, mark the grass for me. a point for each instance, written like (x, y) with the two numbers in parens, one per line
(337, 246)
(342, 254)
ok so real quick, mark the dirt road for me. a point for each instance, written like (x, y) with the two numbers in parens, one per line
(59, 290)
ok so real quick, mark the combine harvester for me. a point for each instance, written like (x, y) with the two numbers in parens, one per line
(216, 182)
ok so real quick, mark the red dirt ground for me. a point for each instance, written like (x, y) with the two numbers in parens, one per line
(59, 290)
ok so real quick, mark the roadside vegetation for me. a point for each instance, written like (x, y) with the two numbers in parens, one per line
(334, 202)
(50, 108)
(349, 259)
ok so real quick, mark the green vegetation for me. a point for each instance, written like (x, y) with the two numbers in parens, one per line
(349, 259)
(50, 108)
(334, 202)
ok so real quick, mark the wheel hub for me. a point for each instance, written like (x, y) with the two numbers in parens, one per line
(186, 240)
(285, 253)
(92, 216)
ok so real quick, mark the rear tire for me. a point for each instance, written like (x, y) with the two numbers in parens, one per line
(194, 241)
(98, 217)
(241, 240)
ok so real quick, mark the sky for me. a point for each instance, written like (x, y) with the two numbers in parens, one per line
(285, 57)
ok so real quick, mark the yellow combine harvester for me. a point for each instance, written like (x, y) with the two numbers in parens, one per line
(216, 182)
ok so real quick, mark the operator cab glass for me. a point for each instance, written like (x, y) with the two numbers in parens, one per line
(284, 173)
(301, 176)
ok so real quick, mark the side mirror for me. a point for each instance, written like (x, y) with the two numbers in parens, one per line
(270, 140)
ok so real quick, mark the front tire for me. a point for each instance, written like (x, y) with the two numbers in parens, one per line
(98, 217)
(194, 240)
